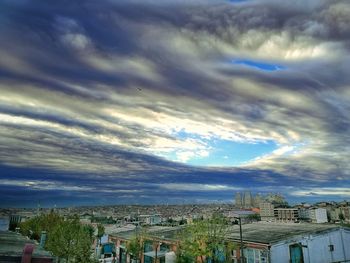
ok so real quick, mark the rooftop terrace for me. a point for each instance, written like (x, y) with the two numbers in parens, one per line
(11, 248)
(265, 233)
(269, 233)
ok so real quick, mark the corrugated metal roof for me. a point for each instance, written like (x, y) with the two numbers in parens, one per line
(12, 244)
(264, 233)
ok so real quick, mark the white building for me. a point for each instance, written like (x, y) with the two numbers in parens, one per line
(293, 243)
(315, 215)
(266, 211)
(150, 219)
(318, 215)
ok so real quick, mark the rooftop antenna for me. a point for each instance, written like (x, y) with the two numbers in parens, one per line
(38, 209)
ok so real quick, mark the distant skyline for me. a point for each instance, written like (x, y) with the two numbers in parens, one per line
(173, 101)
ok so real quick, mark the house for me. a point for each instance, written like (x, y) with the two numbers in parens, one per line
(160, 245)
(16, 248)
(262, 243)
(295, 243)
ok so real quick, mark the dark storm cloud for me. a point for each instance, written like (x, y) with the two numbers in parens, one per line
(93, 97)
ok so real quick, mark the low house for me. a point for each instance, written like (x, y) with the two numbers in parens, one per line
(293, 243)
(16, 248)
(159, 246)
(262, 243)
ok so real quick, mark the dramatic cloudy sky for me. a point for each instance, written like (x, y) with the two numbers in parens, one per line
(173, 101)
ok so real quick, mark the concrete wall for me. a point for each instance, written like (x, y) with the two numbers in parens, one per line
(321, 215)
(317, 249)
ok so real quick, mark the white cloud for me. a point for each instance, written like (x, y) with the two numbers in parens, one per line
(322, 191)
(198, 187)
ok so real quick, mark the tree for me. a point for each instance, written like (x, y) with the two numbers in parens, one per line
(136, 243)
(91, 230)
(341, 217)
(70, 240)
(254, 217)
(100, 231)
(45, 222)
(134, 247)
(202, 240)
(66, 238)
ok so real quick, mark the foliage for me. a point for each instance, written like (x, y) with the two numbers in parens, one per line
(91, 230)
(66, 238)
(183, 222)
(134, 247)
(341, 217)
(254, 217)
(44, 222)
(202, 239)
(103, 220)
(100, 231)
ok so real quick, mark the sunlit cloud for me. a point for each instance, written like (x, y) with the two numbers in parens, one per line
(199, 187)
(325, 191)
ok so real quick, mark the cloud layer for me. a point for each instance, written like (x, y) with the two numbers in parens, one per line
(110, 102)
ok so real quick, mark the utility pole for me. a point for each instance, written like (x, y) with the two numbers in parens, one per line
(156, 254)
(241, 256)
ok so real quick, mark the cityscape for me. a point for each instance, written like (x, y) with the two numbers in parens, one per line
(174, 131)
(267, 225)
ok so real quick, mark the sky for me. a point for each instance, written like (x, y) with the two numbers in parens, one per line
(173, 101)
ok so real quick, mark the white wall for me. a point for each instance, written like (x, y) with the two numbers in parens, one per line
(321, 215)
(317, 249)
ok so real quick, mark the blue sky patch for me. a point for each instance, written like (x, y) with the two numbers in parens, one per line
(230, 153)
(223, 152)
(258, 65)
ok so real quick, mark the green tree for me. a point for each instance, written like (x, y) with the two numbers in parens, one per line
(203, 239)
(254, 217)
(136, 244)
(100, 231)
(45, 222)
(70, 240)
(66, 239)
(91, 230)
(134, 247)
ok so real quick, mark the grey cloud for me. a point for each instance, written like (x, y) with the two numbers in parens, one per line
(162, 63)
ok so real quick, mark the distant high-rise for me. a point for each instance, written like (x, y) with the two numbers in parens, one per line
(247, 200)
(257, 200)
(238, 200)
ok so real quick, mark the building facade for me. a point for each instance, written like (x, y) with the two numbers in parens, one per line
(267, 211)
(238, 200)
(286, 214)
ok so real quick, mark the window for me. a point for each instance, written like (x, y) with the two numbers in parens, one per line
(253, 255)
(296, 253)
(164, 247)
(122, 256)
(220, 254)
(148, 246)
